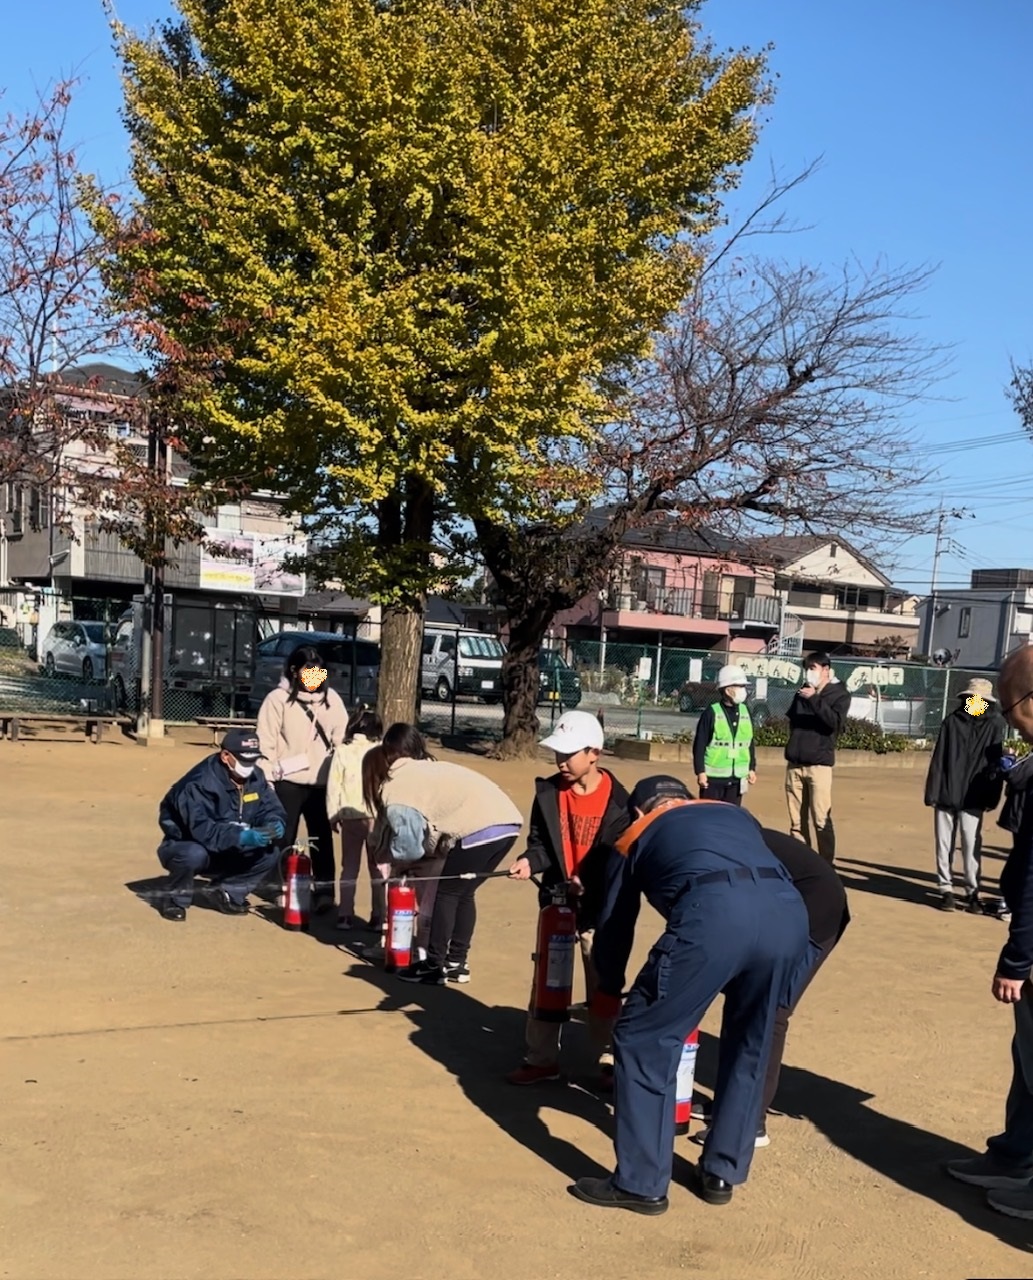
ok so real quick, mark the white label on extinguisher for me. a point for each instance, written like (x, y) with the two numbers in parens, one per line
(559, 969)
(686, 1072)
(299, 894)
(401, 931)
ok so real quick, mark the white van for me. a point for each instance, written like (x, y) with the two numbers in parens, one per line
(464, 661)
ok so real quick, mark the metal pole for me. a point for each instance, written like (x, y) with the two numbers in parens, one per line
(946, 690)
(931, 623)
(659, 659)
(156, 724)
(455, 683)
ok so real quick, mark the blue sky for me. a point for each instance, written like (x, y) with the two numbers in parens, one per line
(922, 112)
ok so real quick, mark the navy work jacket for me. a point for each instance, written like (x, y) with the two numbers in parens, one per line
(660, 858)
(208, 807)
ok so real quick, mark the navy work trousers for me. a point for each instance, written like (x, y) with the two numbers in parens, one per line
(744, 939)
(237, 871)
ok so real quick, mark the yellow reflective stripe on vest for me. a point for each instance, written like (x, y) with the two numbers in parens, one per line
(728, 755)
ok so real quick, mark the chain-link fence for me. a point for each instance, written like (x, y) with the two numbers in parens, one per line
(638, 690)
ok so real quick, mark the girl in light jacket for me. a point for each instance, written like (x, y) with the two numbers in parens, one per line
(299, 725)
(348, 814)
(469, 811)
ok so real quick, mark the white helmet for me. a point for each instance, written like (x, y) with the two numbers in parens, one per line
(729, 676)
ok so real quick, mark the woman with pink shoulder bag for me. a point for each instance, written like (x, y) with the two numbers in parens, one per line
(299, 725)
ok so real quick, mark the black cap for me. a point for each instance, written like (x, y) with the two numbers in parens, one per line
(242, 743)
(661, 786)
(818, 659)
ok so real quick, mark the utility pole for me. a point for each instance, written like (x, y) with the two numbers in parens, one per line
(930, 625)
(151, 720)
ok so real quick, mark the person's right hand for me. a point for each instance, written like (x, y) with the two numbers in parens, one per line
(252, 838)
(520, 870)
(701, 778)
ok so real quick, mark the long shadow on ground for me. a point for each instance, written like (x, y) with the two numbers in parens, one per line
(896, 1150)
(478, 1043)
(888, 881)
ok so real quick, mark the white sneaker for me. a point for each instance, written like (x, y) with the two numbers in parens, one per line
(762, 1139)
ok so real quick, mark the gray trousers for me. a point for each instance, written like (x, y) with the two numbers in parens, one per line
(947, 825)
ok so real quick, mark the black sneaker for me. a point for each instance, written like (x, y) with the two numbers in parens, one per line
(173, 911)
(222, 901)
(946, 901)
(973, 906)
(457, 973)
(429, 975)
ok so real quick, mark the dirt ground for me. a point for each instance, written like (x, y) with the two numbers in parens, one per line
(226, 1100)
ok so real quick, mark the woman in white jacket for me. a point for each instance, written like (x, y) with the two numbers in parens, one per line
(348, 814)
(299, 725)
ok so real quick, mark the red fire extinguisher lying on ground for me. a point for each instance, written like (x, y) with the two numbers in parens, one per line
(297, 890)
(554, 960)
(686, 1080)
(401, 919)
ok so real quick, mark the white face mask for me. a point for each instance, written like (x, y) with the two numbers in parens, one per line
(737, 695)
(812, 676)
(242, 771)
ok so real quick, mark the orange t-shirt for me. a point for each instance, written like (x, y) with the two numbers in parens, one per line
(581, 816)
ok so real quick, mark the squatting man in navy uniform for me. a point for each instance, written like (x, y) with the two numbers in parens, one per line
(222, 818)
(735, 924)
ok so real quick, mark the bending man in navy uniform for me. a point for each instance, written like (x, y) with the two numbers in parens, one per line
(735, 924)
(222, 818)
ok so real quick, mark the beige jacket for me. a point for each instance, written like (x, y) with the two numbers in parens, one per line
(456, 801)
(344, 784)
(289, 739)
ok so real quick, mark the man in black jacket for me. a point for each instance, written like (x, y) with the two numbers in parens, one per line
(816, 718)
(577, 817)
(963, 783)
(1006, 1168)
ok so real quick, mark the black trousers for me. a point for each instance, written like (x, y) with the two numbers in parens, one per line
(727, 789)
(299, 802)
(455, 912)
(781, 1030)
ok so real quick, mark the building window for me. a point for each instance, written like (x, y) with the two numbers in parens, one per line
(852, 598)
(647, 584)
(964, 622)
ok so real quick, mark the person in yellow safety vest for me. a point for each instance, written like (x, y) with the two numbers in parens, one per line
(723, 753)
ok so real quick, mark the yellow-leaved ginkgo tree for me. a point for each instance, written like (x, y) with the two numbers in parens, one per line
(386, 250)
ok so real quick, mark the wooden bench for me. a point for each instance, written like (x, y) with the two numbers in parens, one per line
(218, 726)
(93, 726)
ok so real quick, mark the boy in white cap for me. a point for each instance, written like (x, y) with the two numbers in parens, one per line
(723, 753)
(578, 815)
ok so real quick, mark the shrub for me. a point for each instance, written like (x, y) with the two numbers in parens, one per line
(775, 733)
(857, 735)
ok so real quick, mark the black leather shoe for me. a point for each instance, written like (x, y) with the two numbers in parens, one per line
(222, 901)
(173, 911)
(602, 1192)
(712, 1189)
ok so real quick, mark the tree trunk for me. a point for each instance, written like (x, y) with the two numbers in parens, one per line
(401, 640)
(520, 686)
(404, 536)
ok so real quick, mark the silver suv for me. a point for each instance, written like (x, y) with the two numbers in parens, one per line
(77, 649)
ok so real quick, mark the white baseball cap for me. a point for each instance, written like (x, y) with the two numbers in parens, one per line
(573, 732)
(729, 676)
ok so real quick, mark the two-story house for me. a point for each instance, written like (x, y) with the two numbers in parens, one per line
(678, 588)
(981, 624)
(844, 603)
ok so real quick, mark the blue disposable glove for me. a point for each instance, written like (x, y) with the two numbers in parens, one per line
(275, 828)
(254, 839)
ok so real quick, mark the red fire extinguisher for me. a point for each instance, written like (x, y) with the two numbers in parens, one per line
(401, 919)
(297, 890)
(686, 1079)
(554, 960)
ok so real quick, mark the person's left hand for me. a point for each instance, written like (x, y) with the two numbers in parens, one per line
(576, 887)
(806, 691)
(751, 777)
(276, 829)
(1008, 990)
